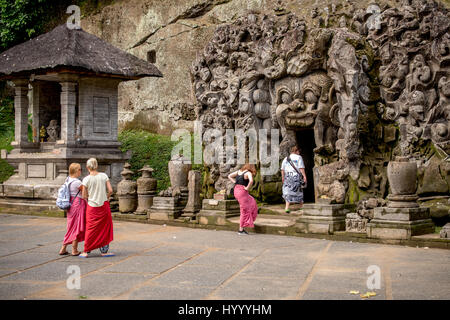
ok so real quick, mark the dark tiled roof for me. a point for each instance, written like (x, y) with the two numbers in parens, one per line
(73, 49)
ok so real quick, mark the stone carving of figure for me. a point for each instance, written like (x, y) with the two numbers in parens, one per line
(53, 131)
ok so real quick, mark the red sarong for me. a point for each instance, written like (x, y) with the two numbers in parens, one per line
(99, 227)
(76, 221)
(248, 206)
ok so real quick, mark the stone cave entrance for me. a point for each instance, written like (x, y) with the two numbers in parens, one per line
(306, 142)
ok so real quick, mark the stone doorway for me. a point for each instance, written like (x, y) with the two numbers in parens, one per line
(306, 142)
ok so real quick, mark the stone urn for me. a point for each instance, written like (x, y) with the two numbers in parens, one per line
(402, 176)
(126, 191)
(146, 190)
(178, 171)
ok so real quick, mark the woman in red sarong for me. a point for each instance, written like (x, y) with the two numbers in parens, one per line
(76, 214)
(99, 227)
(243, 180)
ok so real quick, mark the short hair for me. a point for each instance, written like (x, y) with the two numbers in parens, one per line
(92, 164)
(73, 168)
(295, 149)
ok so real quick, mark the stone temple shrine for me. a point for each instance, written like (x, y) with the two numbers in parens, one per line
(67, 80)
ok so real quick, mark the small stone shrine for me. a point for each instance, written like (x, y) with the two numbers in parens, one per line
(146, 190)
(69, 80)
(127, 191)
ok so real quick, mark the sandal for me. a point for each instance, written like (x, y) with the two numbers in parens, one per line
(82, 256)
(104, 255)
(287, 211)
(63, 253)
(76, 254)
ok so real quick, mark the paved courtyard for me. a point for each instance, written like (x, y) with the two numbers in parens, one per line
(164, 262)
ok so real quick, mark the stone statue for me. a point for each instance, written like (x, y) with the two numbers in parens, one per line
(53, 131)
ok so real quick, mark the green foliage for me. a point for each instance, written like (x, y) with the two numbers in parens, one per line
(6, 134)
(20, 20)
(151, 149)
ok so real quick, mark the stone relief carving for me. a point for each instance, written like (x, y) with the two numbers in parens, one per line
(388, 64)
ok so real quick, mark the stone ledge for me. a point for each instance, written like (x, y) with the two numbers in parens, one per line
(328, 210)
(401, 214)
(398, 230)
(320, 224)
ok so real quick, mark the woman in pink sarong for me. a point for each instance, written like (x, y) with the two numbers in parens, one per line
(243, 180)
(76, 214)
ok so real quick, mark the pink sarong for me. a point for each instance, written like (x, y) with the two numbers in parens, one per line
(76, 221)
(248, 206)
(99, 227)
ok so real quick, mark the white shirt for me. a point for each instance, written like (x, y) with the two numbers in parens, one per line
(74, 186)
(96, 187)
(298, 162)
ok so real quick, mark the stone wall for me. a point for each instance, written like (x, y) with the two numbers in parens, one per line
(174, 31)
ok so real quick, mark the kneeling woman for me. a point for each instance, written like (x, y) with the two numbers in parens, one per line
(99, 226)
(243, 180)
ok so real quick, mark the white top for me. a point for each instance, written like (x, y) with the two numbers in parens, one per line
(96, 188)
(74, 186)
(298, 162)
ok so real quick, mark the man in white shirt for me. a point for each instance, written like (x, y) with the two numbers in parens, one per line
(292, 191)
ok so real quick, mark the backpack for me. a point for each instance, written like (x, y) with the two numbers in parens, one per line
(63, 200)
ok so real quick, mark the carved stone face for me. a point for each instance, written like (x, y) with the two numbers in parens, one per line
(303, 95)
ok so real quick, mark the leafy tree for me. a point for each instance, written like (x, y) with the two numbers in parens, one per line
(21, 20)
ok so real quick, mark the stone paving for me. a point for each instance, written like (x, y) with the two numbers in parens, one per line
(165, 262)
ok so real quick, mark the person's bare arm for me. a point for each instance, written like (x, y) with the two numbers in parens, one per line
(302, 170)
(232, 176)
(84, 192)
(250, 182)
(109, 188)
(282, 176)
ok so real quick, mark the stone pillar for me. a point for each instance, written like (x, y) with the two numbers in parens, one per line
(194, 204)
(21, 112)
(68, 105)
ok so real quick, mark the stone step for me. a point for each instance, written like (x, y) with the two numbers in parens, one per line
(278, 209)
(266, 220)
(30, 207)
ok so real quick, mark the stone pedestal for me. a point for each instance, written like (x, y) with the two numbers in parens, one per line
(166, 208)
(402, 218)
(216, 212)
(399, 223)
(323, 218)
(193, 204)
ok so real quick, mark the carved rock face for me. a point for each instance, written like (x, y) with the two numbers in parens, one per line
(303, 96)
(387, 69)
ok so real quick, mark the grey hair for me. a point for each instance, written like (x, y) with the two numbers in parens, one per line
(92, 164)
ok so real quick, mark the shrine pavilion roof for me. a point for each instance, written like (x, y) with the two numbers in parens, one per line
(74, 50)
